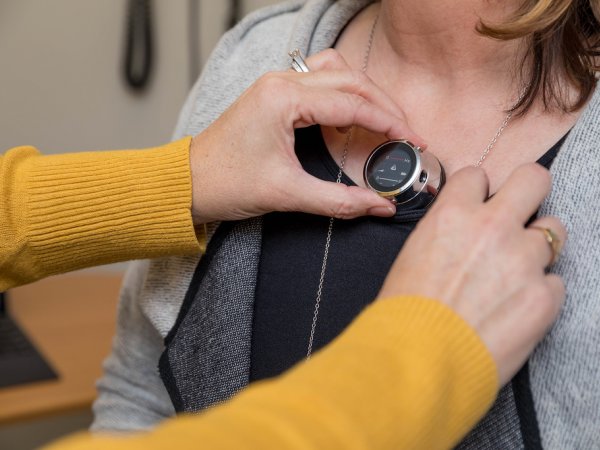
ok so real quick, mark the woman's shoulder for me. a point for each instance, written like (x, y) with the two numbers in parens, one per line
(259, 44)
(253, 47)
(266, 28)
(260, 41)
(585, 131)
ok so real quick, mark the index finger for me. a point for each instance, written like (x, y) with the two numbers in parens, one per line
(523, 191)
(328, 59)
(469, 185)
(331, 70)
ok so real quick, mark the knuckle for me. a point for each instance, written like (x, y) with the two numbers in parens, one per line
(540, 303)
(559, 285)
(274, 197)
(449, 216)
(469, 175)
(477, 174)
(359, 102)
(470, 171)
(355, 104)
(497, 222)
(269, 81)
(343, 210)
(556, 226)
(495, 230)
(450, 212)
(525, 258)
(359, 80)
(536, 173)
(559, 227)
(499, 218)
(333, 57)
(269, 87)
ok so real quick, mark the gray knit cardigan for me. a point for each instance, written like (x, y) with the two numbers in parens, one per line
(564, 370)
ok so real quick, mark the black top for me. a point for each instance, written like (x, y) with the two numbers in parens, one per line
(361, 253)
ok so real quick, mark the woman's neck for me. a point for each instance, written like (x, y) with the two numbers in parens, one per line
(437, 41)
(453, 84)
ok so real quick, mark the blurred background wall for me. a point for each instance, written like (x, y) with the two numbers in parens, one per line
(61, 83)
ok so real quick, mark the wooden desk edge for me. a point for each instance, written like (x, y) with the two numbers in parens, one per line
(36, 305)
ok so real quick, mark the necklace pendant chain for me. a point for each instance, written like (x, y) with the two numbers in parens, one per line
(503, 126)
(326, 253)
(331, 219)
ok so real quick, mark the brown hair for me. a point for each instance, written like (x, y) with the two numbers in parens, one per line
(564, 44)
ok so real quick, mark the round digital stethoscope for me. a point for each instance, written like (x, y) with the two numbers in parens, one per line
(404, 174)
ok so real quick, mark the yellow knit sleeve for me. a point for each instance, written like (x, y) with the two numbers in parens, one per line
(65, 212)
(407, 374)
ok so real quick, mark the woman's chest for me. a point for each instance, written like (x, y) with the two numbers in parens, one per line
(291, 278)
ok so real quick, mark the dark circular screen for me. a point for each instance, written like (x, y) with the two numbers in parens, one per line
(390, 166)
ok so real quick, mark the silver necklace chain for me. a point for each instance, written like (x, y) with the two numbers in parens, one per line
(482, 158)
(331, 219)
(503, 126)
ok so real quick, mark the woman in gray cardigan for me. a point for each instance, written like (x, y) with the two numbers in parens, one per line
(471, 82)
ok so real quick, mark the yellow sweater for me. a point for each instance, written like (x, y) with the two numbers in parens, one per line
(65, 212)
(408, 372)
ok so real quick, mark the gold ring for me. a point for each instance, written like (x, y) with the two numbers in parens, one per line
(553, 241)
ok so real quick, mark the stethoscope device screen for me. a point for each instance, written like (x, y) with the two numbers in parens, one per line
(404, 173)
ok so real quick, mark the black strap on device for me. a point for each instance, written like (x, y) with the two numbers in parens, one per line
(139, 50)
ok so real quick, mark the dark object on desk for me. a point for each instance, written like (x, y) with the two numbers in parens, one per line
(20, 362)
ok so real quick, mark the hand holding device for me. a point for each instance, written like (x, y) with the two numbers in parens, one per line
(248, 152)
(480, 259)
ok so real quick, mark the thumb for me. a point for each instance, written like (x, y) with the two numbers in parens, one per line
(327, 198)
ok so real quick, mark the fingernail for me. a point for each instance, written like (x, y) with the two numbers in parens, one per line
(382, 211)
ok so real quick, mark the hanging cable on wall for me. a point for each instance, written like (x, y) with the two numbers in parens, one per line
(235, 13)
(139, 45)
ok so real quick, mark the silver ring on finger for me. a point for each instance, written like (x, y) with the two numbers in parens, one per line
(298, 63)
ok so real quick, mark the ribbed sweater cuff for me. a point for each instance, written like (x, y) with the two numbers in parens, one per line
(101, 207)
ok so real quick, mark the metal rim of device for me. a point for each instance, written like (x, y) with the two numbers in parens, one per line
(409, 182)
